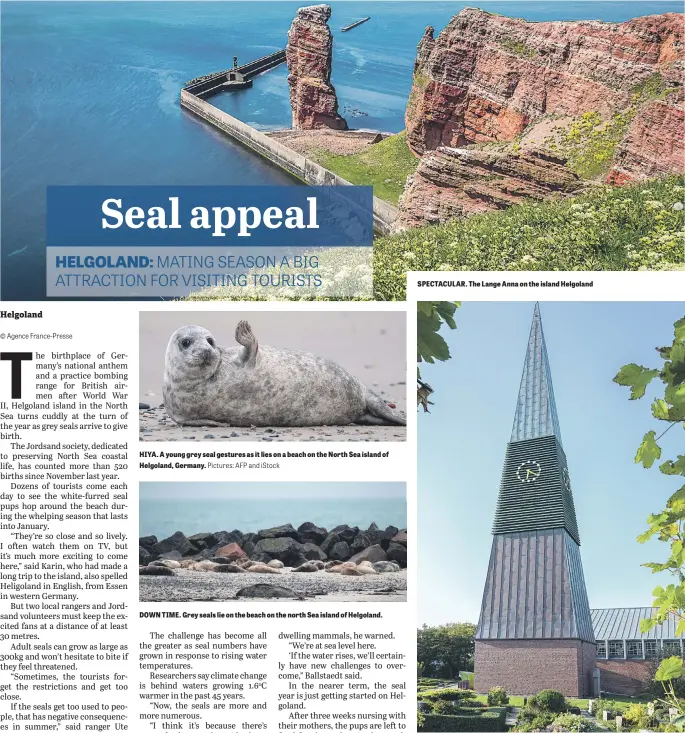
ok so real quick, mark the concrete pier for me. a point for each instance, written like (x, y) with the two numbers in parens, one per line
(355, 24)
(306, 170)
(238, 77)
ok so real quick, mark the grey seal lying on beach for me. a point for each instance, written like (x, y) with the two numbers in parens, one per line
(260, 386)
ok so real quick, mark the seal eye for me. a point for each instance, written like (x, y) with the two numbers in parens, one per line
(185, 343)
(210, 341)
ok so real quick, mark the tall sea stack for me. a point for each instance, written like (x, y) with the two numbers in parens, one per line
(309, 56)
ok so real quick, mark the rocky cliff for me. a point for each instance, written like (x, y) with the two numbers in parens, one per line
(516, 97)
(309, 57)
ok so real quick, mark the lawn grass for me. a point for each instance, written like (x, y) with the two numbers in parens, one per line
(384, 165)
(610, 228)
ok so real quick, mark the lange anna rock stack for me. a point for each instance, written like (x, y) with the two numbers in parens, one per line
(535, 630)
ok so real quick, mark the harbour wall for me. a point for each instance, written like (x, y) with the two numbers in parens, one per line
(298, 165)
(206, 86)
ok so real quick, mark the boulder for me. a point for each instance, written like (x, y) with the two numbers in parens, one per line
(178, 542)
(345, 532)
(398, 553)
(227, 538)
(285, 549)
(173, 555)
(249, 547)
(309, 532)
(284, 530)
(267, 590)
(340, 551)
(401, 537)
(380, 537)
(144, 557)
(148, 542)
(313, 551)
(275, 564)
(360, 542)
(232, 552)
(203, 540)
(248, 537)
(334, 536)
(373, 553)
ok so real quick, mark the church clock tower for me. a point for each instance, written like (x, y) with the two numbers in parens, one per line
(535, 630)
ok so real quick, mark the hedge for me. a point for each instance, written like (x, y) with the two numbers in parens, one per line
(490, 721)
(449, 693)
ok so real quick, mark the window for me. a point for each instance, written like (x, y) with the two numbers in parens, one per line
(615, 650)
(651, 648)
(672, 648)
(634, 649)
(601, 650)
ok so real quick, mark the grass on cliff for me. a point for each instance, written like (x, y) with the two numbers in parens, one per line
(630, 228)
(385, 166)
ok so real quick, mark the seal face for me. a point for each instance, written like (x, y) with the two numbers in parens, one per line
(254, 385)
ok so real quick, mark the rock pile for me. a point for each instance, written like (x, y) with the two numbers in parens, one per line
(309, 548)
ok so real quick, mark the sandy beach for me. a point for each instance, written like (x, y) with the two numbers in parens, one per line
(370, 345)
(188, 585)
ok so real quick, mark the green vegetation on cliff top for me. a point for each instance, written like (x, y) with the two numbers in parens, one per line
(385, 166)
(628, 228)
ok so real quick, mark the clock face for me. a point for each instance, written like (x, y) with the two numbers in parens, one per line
(528, 472)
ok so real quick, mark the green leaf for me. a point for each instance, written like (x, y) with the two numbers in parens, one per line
(648, 451)
(660, 410)
(446, 311)
(637, 378)
(673, 468)
(679, 329)
(669, 669)
(432, 346)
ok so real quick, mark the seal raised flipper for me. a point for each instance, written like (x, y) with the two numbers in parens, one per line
(379, 413)
(245, 337)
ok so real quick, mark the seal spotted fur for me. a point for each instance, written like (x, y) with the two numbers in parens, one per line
(260, 386)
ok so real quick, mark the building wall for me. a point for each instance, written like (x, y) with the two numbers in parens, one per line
(526, 666)
(625, 676)
(384, 214)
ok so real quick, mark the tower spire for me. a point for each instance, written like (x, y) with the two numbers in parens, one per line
(536, 410)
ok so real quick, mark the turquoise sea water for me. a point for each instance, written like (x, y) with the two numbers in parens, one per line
(163, 517)
(90, 93)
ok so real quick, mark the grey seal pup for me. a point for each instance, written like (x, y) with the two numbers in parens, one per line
(262, 386)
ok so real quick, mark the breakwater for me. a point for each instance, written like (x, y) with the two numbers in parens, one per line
(298, 165)
(237, 77)
(355, 24)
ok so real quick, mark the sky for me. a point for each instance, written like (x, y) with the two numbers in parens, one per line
(272, 490)
(462, 443)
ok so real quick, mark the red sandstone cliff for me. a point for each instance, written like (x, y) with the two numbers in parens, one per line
(309, 57)
(493, 79)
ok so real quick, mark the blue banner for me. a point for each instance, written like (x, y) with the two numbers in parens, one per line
(209, 216)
